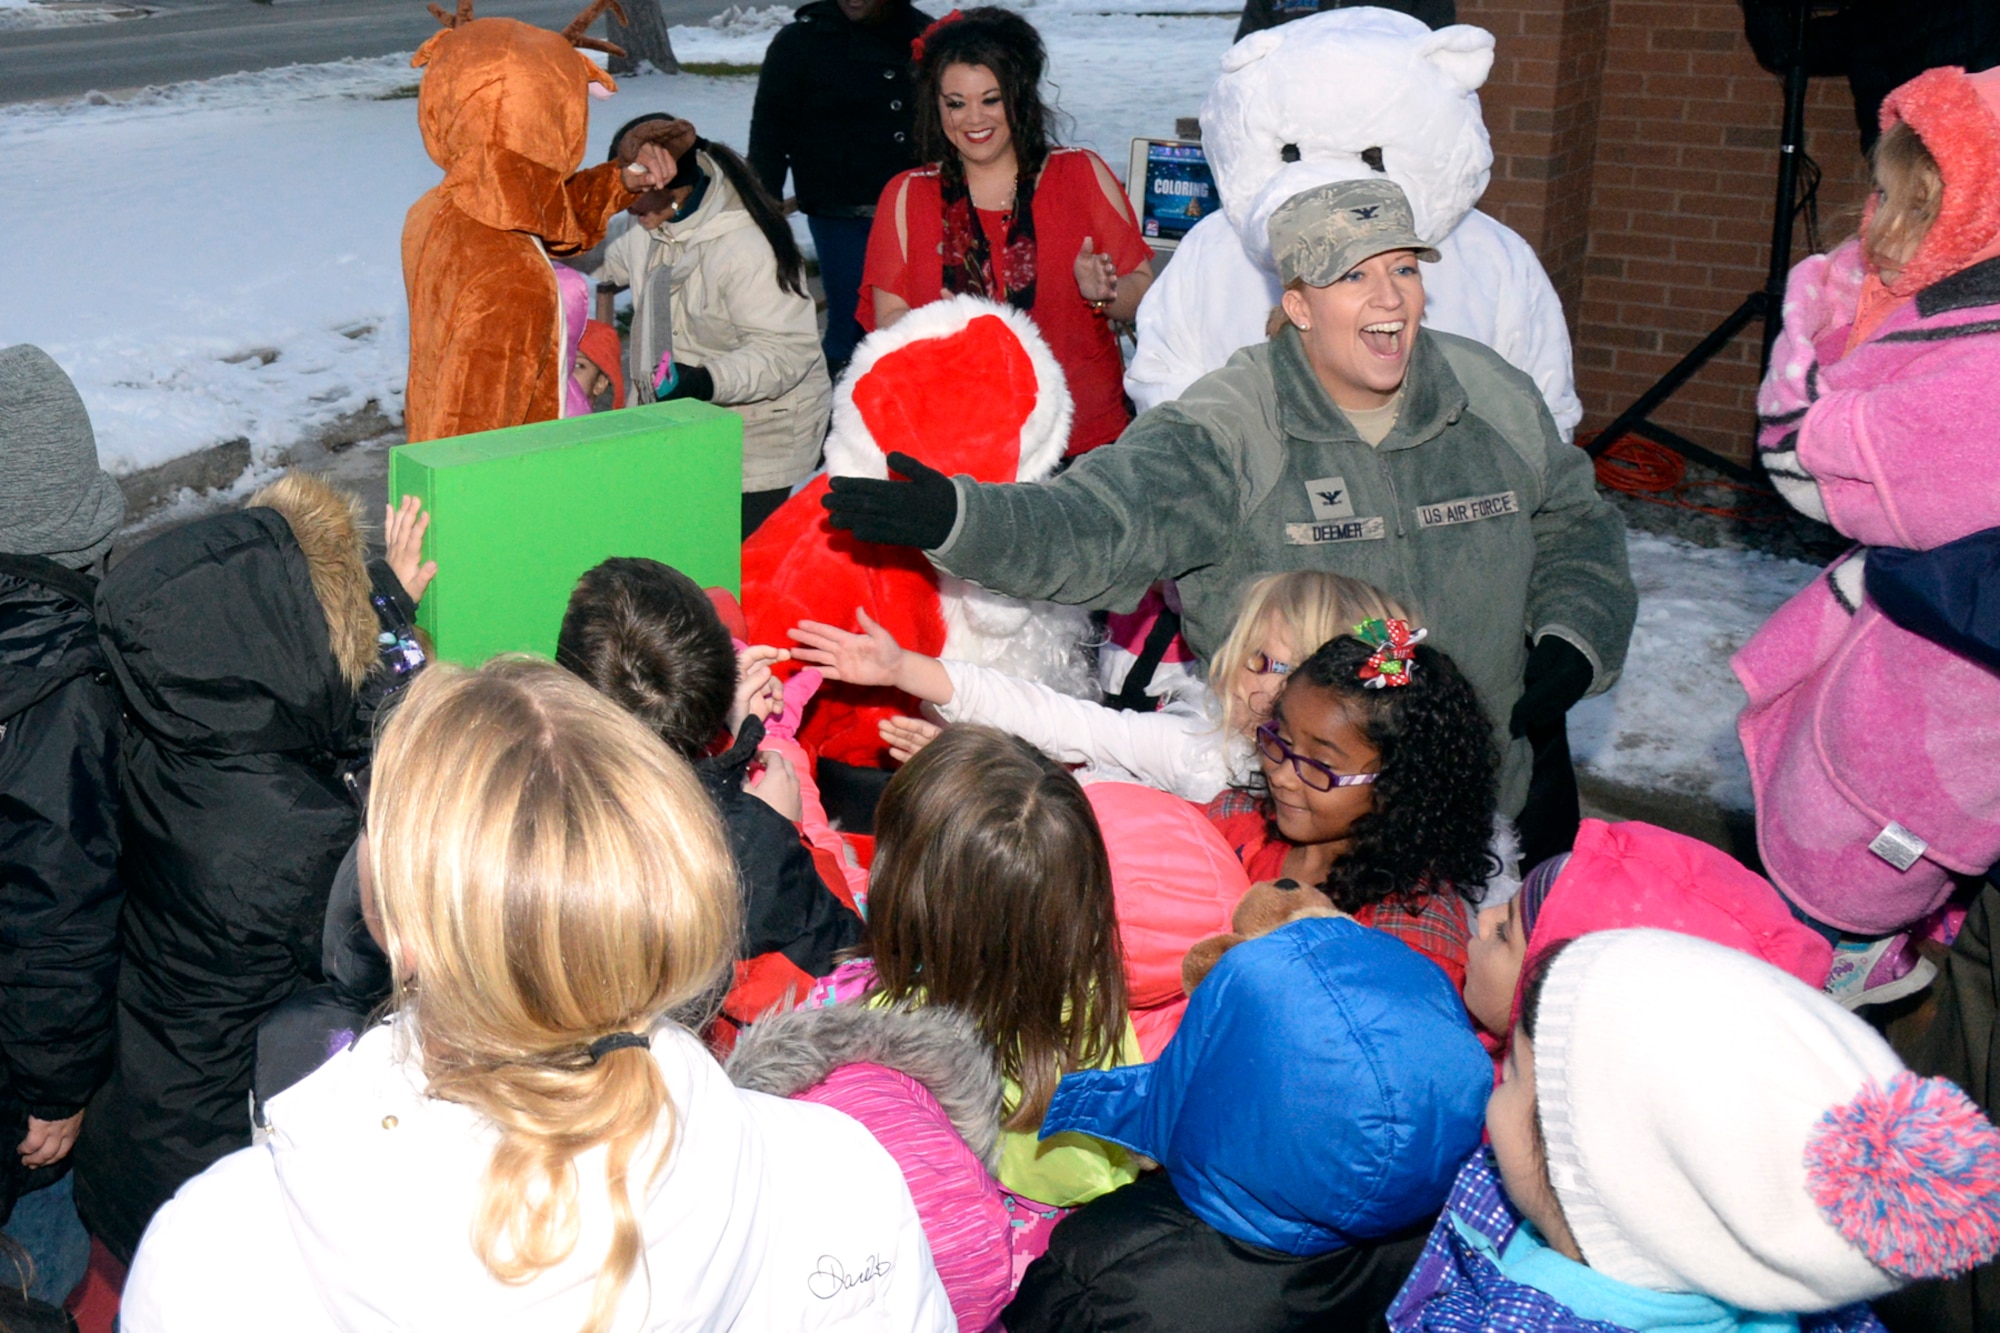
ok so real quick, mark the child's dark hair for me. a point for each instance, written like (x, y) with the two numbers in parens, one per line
(1007, 44)
(766, 212)
(646, 636)
(991, 893)
(1432, 824)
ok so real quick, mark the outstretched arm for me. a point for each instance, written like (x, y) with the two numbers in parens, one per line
(1158, 503)
(872, 657)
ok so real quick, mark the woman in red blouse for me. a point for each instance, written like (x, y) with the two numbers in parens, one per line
(1001, 213)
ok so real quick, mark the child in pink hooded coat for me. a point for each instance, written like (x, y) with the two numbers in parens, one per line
(1618, 877)
(1872, 750)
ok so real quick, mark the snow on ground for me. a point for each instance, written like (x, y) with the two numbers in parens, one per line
(1670, 721)
(18, 14)
(219, 260)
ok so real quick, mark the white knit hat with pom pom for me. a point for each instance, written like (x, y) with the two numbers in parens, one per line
(1714, 1125)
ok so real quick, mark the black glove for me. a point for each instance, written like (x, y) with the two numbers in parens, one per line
(1556, 677)
(919, 512)
(694, 382)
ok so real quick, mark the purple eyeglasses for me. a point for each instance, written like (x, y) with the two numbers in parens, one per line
(1311, 771)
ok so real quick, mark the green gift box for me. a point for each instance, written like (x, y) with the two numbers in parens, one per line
(518, 515)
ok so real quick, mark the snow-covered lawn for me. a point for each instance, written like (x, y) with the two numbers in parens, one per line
(17, 14)
(219, 260)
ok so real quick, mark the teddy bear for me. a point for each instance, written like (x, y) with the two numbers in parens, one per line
(1336, 96)
(968, 387)
(1267, 905)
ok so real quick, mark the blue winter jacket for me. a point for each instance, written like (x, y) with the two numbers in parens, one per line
(1949, 594)
(1322, 1091)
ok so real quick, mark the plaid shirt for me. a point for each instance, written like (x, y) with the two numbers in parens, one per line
(1435, 924)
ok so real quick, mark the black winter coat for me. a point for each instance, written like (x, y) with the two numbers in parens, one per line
(836, 104)
(239, 719)
(59, 887)
(787, 908)
(1139, 1259)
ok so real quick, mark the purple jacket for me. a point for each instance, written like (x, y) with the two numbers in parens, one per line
(1457, 1288)
(1859, 732)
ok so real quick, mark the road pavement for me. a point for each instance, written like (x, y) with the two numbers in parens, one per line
(200, 39)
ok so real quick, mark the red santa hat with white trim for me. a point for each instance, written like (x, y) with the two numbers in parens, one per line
(969, 387)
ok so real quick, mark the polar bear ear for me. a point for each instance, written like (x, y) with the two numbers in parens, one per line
(1255, 47)
(1463, 52)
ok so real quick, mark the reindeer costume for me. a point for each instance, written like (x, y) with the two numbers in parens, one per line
(504, 109)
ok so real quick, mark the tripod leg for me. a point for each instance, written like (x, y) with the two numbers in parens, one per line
(1755, 304)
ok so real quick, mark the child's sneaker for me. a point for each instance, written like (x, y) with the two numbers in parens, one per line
(1877, 971)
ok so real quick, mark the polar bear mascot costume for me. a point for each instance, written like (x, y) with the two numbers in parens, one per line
(1336, 96)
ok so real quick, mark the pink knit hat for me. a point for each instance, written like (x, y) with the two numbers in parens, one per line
(1714, 1125)
(1957, 115)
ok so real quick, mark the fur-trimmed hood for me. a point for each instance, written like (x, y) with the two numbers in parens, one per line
(326, 523)
(1957, 115)
(786, 1054)
(247, 632)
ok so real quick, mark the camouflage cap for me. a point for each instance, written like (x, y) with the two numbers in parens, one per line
(1321, 233)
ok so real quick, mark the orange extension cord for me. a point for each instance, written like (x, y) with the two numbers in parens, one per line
(1657, 475)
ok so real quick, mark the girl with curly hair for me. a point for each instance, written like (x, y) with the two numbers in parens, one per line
(1380, 777)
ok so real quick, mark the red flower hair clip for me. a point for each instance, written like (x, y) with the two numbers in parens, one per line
(917, 46)
(1395, 645)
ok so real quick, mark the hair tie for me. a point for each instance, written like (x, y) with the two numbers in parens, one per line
(1395, 644)
(618, 1041)
(917, 46)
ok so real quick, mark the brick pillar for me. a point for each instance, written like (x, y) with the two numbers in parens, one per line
(1541, 111)
(1636, 148)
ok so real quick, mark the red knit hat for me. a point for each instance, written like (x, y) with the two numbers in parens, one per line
(1958, 117)
(600, 345)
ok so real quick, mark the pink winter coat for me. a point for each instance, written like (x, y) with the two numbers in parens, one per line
(1858, 732)
(1175, 881)
(925, 1084)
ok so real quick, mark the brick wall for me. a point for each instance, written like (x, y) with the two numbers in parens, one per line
(1636, 147)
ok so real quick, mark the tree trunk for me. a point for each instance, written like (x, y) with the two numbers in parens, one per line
(644, 38)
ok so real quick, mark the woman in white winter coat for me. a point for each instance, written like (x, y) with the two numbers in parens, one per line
(718, 283)
(531, 1143)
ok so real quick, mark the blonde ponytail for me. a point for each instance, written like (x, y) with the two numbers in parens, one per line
(548, 873)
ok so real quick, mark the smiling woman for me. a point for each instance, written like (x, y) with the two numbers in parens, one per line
(1002, 212)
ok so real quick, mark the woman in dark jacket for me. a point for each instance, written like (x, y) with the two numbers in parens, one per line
(59, 889)
(241, 644)
(835, 107)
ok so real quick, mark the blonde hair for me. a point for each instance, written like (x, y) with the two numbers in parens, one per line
(1275, 322)
(1313, 606)
(1912, 191)
(548, 873)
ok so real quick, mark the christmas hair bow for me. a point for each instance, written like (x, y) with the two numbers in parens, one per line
(917, 46)
(1394, 660)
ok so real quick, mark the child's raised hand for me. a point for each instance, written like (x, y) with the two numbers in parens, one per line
(871, 657)
(757, 690)
(777, 785)
(403, 529)
(906, 735)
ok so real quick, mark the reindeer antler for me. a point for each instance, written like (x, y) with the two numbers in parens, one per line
(579, 25)
(460, 19)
